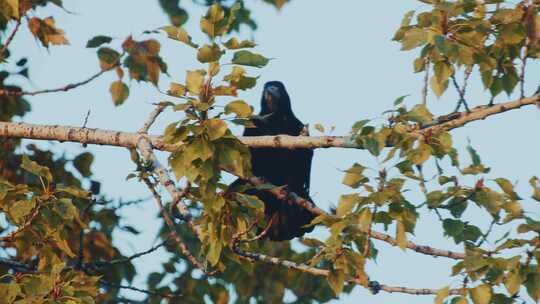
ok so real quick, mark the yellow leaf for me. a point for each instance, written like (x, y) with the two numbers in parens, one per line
(239, 107)
(46, 32)
(194, 81)
(401, 235)
(224, 91)
(209, 53)
(119, 92)
(180, 34)
(14, 5)
(481, 294)
(438, 87)
(441, 295)
(233, 44)
(213, 68)
(216, 128)
(177, 90)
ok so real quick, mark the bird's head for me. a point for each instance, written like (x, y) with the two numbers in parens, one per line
(275, 99)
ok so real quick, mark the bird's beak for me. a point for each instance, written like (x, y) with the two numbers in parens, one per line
(273, 91)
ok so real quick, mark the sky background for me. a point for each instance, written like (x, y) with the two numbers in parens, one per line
(339, 65)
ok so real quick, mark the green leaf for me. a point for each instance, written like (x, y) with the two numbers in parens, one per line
(250, 201)
(453, 228)
(108, 58)
(481, 294)
(400, 100)
(21, 209)
(419, 113)
(179, 34)
(248, 58)
(239, 107)
(83, 162)
(372, 145)
(65, 209)
(474, 156)
(37, 285)
(34, 168)
(98, 41)
(357, 127)
(440, 43)
(119, 92)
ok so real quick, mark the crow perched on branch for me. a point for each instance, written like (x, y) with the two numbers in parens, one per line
(281, 167)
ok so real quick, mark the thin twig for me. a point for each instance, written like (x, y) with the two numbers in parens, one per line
(523, 67)
(86, 119)
(461, 91)
(485, 235)
(148, 292)
(325, 273)
(10, 37)
(144, 145)
(127, 259)
(178, 239)
(17, 266)
(152, 118)
(426, 83)
(10, 236)
(4, 92)
(292, 198)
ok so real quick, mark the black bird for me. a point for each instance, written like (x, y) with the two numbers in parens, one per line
(281, 167)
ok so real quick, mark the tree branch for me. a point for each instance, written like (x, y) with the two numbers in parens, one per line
(152, 118)
(293, 198)
(148, 292)
(179, 241)
(325, 273)
(129, 140)
(10, 37)
(4, 92)
(17, 266)
(125, 260)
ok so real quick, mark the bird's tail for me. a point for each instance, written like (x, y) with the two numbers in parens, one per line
(286, 220)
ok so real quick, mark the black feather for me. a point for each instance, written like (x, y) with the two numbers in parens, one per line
(281, 166)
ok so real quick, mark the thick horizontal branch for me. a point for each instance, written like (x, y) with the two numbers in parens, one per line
(129, 140)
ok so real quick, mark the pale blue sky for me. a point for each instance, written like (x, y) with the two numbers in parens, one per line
(339, 65)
